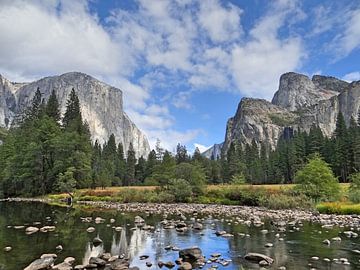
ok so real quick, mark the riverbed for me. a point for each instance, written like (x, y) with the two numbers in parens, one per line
(292, 243)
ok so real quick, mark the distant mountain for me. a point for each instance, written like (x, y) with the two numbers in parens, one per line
(101, 106)
(299, 103)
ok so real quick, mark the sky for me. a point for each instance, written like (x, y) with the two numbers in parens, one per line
(183, 65)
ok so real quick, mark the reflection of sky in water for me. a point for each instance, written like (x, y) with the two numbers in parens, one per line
(135, 243)
(294, 252)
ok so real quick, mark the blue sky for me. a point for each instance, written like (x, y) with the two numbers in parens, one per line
(183, 65)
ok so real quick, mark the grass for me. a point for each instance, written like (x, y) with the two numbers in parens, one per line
(270, 196)
(339, 208)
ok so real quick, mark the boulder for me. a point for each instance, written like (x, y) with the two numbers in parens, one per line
(41, 264)
(31, 230)
(258, 257)
(62, 266)
(97, 261)
(185, 266)
(190, 254)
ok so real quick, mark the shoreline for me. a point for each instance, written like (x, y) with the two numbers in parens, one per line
(252, 213)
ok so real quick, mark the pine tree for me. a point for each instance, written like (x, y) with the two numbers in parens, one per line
(341, 148)
(150, 164)
(72, 120)
(181, 154)
(140, 170)
(130, 165)
(52, 107)
(120, 168)
(159, 150)
(197, 157)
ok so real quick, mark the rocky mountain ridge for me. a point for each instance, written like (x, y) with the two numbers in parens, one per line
(299, 103)
(101, 106)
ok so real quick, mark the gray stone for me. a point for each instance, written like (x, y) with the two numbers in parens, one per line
(41, 264)
(258, 257)
(190, 254)
(97, 261)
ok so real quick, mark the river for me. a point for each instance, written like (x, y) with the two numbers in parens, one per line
(292, 248)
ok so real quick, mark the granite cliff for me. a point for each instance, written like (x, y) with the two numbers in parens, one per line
(299, 103)
(101, 106)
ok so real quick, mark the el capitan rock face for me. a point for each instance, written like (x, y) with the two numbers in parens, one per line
(300, 102)
(101, 106)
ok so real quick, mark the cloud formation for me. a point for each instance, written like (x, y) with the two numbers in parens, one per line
(162, 51)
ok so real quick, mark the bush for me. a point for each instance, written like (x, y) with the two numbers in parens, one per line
(245, 196)
(180, 189)
(317, 181)
(354, 189)
(238, 179)
(286, 201)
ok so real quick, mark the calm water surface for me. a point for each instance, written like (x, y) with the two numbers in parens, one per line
(294, 252)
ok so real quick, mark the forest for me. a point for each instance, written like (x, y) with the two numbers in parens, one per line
(45, 152)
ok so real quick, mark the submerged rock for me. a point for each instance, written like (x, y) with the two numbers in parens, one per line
(258, 257)
(190, 254)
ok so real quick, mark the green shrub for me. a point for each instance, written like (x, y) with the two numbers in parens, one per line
(180, 189)
(317, 181)
(285, 201)
(354, 189)
(245, 196)
(238, 179)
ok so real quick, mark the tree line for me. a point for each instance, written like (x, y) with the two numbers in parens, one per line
(257, 164)
(45, 152)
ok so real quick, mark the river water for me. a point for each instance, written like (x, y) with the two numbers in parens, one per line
(293, 252)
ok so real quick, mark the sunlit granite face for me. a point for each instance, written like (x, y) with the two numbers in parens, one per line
(101, 106)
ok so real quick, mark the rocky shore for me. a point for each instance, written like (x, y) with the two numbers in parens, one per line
(246, 212)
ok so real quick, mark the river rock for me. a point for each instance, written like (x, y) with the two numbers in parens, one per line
(190, 254)
(326, 242)
(62, 266)
(90, 229)
(185, 266)
(169, 264)
(258, 257)
(41, 264)
(97, 261)
(119, 264)
(198, 226)
(47, 229)
(139, 221)
(31, 230)
(51, 255)
(99, 220)
(70, 260)
(97, 241)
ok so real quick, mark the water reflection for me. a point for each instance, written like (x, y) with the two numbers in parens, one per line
(294, 251)
(92, 251)
(119, 246)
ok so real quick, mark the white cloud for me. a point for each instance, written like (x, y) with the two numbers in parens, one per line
(201, 147)
(353, 76)
(170, 138)
(42, 40)
(221, 23)
(349, 40)
(258, 64)
(167, 41)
